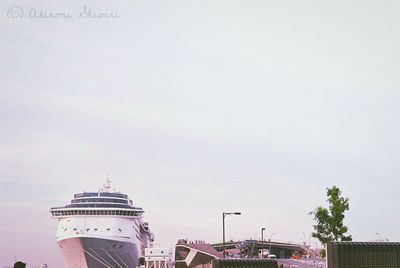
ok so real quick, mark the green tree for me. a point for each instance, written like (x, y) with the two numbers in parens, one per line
(329, 221)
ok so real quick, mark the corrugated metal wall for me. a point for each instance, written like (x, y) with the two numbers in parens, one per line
(244, 263)
(363, 255)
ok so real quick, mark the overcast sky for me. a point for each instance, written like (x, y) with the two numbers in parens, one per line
(200, 107)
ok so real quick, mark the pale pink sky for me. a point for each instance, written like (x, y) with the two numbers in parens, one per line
(199, 107)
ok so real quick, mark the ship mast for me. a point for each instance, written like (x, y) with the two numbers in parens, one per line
(107, 185)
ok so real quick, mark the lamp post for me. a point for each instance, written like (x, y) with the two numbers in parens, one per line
(223, 227)
(262, 242)
(270, 241)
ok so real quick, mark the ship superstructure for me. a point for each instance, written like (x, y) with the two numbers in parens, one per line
(101, 229)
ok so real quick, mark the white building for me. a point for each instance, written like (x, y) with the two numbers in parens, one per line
(159, 258)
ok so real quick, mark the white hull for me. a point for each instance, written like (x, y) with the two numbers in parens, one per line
(89, 252)
(101, 230)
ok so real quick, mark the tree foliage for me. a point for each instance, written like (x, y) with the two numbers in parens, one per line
(329, 221)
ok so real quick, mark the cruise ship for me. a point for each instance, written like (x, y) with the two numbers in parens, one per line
(101, 229)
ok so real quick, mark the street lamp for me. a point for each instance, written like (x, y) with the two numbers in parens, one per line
(262, 242)
(223, 226)
(270, 241)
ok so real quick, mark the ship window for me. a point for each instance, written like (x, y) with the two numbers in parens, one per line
(108, 229)
(87, 229)
(75, 229)
(95, 229)
(120, 229)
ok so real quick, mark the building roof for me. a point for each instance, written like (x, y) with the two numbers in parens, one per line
(204, 248)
